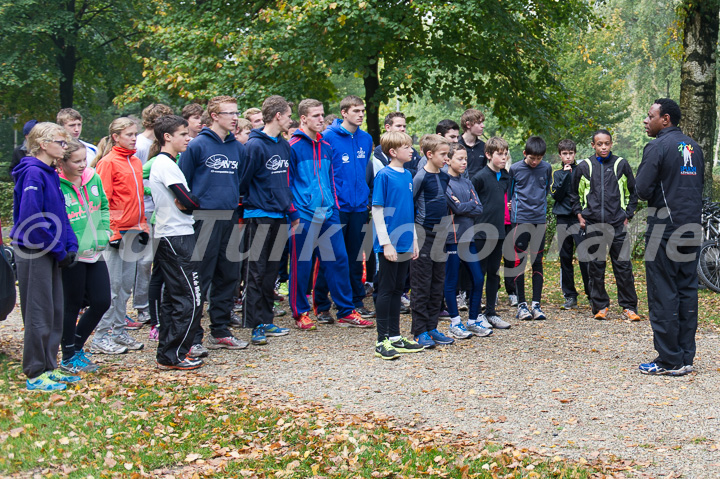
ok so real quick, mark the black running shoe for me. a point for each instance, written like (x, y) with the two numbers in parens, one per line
(384, 350)
(404, 345)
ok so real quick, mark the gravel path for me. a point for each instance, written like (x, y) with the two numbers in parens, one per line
(567, 386)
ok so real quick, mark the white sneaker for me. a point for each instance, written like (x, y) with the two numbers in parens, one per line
(478, 330)
(461, 302)
(513, 299)
(405, 300)
(104, 345)
(482, 321)
(124, 339)
(459, 331)
(498, 323)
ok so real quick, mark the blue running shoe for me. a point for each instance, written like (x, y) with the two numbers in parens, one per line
(657, 370)
(273, 330)
(44, 383)
(76, 365)
(90, 366)
(425, 341)
(258, 336)
(60, 376)
(440, 338)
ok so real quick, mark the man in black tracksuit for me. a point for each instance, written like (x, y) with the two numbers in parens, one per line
(671, 177)
(604, 200)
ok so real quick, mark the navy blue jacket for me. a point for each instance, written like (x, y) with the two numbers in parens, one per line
(351, 154)
(265, 177)
(212, 169)
(41, 221)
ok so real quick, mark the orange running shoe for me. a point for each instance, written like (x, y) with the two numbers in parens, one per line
(304, 322)
(631, 315)
(602, 314)
(354, 320)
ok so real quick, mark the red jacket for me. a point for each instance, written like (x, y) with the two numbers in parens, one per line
(121, 175)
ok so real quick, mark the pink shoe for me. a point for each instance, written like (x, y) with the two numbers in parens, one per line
(154, 334)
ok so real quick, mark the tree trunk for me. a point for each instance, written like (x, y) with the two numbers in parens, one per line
(372, 106)
(698, 80)
(67, 62)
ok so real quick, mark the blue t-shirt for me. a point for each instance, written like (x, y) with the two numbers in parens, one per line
(393, 190)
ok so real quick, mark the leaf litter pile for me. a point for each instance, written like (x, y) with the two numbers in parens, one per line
(137, 423)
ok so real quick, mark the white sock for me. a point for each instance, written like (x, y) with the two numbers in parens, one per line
(455, 321)
(395, 338)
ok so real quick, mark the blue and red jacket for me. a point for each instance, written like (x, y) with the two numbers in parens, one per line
(312, 178)
(351, 154)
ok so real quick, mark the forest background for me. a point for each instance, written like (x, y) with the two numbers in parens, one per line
(557, 69)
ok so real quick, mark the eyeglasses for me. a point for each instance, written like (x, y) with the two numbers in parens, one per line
(231, 113)
(62, 143)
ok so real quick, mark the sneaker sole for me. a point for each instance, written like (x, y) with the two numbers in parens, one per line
(343, 324)
(177, 368)
(133, 348)
(96, 350)
(378, 355)
(259, 343)
(60, 387)
(541, 318)
(409, 351)
(502, 327)
(223, 346)
(456, 336)
(528, 318)
(367, 316)
(276, 335)
(310, 328)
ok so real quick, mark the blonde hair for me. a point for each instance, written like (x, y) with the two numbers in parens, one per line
(73, 146)
(44, 132)
(243, 124)
(394, 140)
(250, 112)
(116, 127)
(213, 105)
(432, 142)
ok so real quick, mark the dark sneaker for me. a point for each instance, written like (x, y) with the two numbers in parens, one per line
(238, 305)
(324, 317)
(365, 313)
(354, 320)
(90, 367)
(570, 303)
(229, 342)
(444, 315)
(277, 297)
(235, 320)
(278, 311)
(273, 330)
(143, 316)
(76, 365)
(404, 309)
(440, 338)
(258, 336)
(384, 350)
(198, 351)
(425, 341)
(186, 364)
(404, 345)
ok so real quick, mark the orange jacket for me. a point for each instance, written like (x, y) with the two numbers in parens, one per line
(121, 175)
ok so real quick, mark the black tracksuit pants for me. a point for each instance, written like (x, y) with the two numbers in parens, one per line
(181, 306)
(529, 241)
(569, 227)
(391, 282)
(600, 240)
(673, 302)
(218, 273)
(264, 262)
(427, 281)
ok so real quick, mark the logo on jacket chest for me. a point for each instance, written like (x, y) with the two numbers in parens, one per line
(361, 154)
(221, 162)
(345, 158)
(275, 164)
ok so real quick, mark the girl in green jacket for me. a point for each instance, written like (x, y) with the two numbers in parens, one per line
(87, 210)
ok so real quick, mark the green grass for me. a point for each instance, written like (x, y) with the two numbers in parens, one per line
(125, 423)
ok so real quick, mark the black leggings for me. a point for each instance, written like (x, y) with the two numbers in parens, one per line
(155, 294)
(391, 281)
(85, 281)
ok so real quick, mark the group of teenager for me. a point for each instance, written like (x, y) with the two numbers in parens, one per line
(199, 205)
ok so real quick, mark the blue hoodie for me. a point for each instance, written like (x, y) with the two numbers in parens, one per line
(39, 210)
(351, 153)
(265, 177)
(212, 169)
(312, 180)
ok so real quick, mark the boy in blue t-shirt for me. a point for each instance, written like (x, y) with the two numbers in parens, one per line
(395, 242)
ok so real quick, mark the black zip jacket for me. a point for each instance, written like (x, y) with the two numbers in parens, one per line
(603, 193)
(671, 176)
(560, 191)
(491, 193)
(476, 157)
(464, 211)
